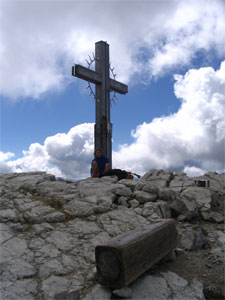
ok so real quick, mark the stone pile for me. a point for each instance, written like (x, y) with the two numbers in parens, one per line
(49, 230)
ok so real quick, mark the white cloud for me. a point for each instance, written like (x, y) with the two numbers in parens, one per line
(64, 154)
(194, 171)
(194, 26)
(4, 167)
(5, 156)
(193, 139)
(72, 152)
(41, 40)
(194, 135)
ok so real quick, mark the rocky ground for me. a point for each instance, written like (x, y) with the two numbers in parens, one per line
(49, 230)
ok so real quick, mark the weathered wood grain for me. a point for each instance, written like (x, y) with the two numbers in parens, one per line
(86, 74)
(118, 87)
(126, 257)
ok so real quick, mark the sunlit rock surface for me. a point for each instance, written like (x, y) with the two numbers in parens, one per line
(49, 230)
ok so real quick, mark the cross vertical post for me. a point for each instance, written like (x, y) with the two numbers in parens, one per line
(103, 85)
(103, 127)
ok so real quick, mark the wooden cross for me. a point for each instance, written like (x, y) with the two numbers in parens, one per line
(103, 85)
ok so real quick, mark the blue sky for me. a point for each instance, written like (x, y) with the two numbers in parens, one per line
(171, 55)
(58, 112)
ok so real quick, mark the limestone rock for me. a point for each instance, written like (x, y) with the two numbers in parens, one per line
(50, 228)
(143, 197)
(181, 289)
(216, 217)
(54, 285)
(8, 215)
(37, 214)
(78, 208)
(167, 285)
(72, 294)
(19, 289)
(185, 205)
(96, 186)
(124, 293)
(157, 178)
(134, 203)
(54, 217)
(180, 182)
(221, 238)
(201, 195)
(121, 190)
(164, 209)
(26, 180)
(17, 268)
(123, 201)
(151, 209)
(150, 287)
(193, 239)
(168, 195)
(98, 292)
(129, 183)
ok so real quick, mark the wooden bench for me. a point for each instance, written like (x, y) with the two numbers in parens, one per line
(126, 257)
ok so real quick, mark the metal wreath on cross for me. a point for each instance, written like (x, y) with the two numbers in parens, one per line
(89, 63)
(103, 86)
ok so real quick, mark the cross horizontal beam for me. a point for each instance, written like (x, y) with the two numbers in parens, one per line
(86, 74)
(94, 77)
(118, 87)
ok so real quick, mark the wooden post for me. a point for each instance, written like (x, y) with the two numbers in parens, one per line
(125, 258)
(103, 127)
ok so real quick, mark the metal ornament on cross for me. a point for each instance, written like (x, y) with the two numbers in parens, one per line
(89, 63)
(103, 86)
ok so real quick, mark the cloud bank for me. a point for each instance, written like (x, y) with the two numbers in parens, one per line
(192, 139)
(41, 40)
(64, 154)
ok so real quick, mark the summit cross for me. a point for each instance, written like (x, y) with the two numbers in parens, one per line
(103, 86)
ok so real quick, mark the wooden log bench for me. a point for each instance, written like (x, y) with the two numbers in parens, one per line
(126, 257)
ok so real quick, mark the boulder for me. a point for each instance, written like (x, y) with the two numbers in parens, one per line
(129, 183)
(184, 205)
(151, 210)
(158, 175)
(123, 201)
(164, 209)
(202, 196)
(121, 190)
(193, 239)
(134, 203)
(216, 217)
(143, 197)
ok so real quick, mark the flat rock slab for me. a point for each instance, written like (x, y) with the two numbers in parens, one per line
(164, 286)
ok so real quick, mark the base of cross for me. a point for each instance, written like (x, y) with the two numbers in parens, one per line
(126, 257)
